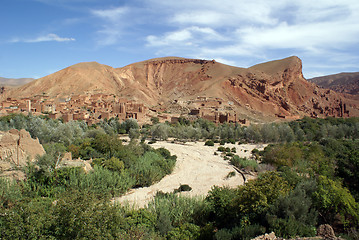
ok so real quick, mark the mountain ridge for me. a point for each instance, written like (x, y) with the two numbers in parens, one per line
(267, 90)
(345, 82)
(13, 82)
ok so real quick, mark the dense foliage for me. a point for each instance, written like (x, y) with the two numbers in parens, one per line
(306, 129)
(314, 162)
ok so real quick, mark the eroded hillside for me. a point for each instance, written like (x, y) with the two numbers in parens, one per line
(271, 90)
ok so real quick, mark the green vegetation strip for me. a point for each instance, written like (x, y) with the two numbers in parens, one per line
(314, 162)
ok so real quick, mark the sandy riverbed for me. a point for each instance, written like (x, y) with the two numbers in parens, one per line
(196, 166)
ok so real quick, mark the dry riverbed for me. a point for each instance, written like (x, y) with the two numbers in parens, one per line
(196, 166)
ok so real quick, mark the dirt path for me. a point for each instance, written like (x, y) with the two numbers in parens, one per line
(196, 166)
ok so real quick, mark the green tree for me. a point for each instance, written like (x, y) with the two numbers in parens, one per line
(332, 198)
(294, 214)
(254, 198)
(160, 131)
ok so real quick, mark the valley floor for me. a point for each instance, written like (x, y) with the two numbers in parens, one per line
(196, 166)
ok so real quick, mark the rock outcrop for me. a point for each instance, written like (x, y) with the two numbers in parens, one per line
(16, 148)
(324, 232)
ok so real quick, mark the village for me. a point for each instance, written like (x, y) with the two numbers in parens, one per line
(96, 107)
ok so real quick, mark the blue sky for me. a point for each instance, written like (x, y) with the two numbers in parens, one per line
(39, 37)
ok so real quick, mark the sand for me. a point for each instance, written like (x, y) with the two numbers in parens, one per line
(196, 166)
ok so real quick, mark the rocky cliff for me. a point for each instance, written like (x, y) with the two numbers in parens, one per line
(16, 148)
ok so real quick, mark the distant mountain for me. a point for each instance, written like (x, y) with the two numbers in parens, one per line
(12, 82)
(264, 91)
(342, 82)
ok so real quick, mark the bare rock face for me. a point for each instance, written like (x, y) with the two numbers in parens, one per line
(279, 88)
(67, 161)
(267, 236)
(272, 89)
(16, 148)
(326, 232)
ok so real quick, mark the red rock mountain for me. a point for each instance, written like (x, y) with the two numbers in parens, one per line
(342, 82)
(263, 91)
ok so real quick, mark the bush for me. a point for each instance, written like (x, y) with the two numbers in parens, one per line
(230, 174)
(221, 149)
(183, 188)
(331, 199)
(245, 233)
(293, 215)
(248, 164)
(101, 181)
(184, 231)
(222, 142)
(209, 143)
(152, 167)
(220, 201)
(172, 211)
(152, 141)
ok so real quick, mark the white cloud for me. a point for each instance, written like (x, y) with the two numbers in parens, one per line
(187, 36)
(112, 14)
(225, 61)
(113, 24)
(199, 17)
(258, 29)
(305, 37)
(219, 13)
(45, 38)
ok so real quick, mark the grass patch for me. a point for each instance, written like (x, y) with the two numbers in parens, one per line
(248, 164)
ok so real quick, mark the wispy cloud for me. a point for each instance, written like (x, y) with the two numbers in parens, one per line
(259, 30)
(45, 38)
(224, 13)
(112, 14)
(113, 24)
(187, 36)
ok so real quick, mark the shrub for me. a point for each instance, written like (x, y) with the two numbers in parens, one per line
(209, 143)
(245, 233)
(255, 151)
(151, 167)
(222, 142)
(233, 150)
(244, 163)
(172, 211)
(293, 215)
(152, 141)
(184, 231)
(221, 149)
(220, 200)
(230, 174)
(185, 188)
(331, 198)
